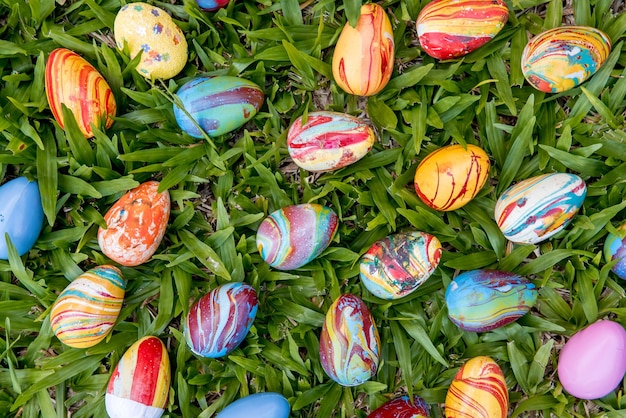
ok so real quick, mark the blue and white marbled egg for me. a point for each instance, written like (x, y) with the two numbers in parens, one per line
(258, 405)
(615, 248)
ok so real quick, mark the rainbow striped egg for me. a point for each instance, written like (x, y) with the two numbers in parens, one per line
(220, 320)
(402, 408)
(72, 81)
(615, 248)
(349, 342)
(86, 310)
(140, 384)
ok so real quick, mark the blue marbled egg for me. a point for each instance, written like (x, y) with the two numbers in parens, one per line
(21, 215)
(218, 105)
(259, 405)
(615, 248)
(482, 300)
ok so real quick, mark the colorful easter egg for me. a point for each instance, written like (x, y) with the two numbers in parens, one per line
(363, 59)
(140, 384)
(451, 176)
(292, 236)
(452, 28)
(535, 209)
(328, 141)
(218, 105)
(402, 408)
(478, 390)
(482, 300)
(615, 248)
(21, 215)
(86, 310)
(212, 5)
(258, 405)
(593, 362)
(151, 31)
(71, 81)
(136, 225)
(398, 264)
(562, 58)
(220, 320)
(349, 342)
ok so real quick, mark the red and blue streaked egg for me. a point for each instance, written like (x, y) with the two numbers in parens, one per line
(402, 408)
(140, 383)
(258, 405)
(212, 5)
(397, 265)
(535, 209)
(293, 236)
(86, 310)
(218, 105)
(220, 320)
(483, 300)
(349, 342)
(615, 248)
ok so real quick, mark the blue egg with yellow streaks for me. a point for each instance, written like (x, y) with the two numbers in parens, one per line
(482, 300)
(217, 105)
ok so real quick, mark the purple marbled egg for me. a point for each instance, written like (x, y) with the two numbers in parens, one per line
(615, 248)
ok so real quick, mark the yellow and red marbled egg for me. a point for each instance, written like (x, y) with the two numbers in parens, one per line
(86, 310)
(151, 31)
(136, 225)
(450, 177)
(363, 58)
(140, 384)
(72, 81)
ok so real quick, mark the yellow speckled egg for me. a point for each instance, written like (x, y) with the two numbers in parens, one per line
(152, 31)
(450, 177)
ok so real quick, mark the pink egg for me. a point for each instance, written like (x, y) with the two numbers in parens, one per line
(593, 362)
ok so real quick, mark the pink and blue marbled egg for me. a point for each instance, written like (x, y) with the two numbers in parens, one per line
(482, 300)
(258, 405)
(402, 408)
(535, 209)
(615, 248)
(292, 236)
(349, 343)
(220, 320)
(217, 104)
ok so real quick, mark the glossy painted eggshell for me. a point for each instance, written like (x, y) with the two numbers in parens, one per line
(220, 320)
(593, 362)
(86, 310)
(478, 390)
(140, 384)
(363, 58)
(562, 58)
(136, 225)
(397, 265)
(212, 5)
(451, 176)
(217, 104)
(535, 209)
(482, 300)
(21, 215)
(328, 141)
(453, 28)
(349, 342)
(72, 81)
(402, 408)
(258, 405)
(292, 236)
(615, 248)
(151, 31)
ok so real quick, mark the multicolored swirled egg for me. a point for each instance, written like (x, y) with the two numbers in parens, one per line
(86, 310)
(363, 58)
(292, 236)
(402, 408)
(451, 176)
(136, 225)
(452, 28)
(349, 342)
(482, 300)
(615, 248)
(258, 405)
(151, 31)
(73, 82)
(398, 264)
(328, 140)
(218, 105)
(478, 390)
(140, 384)
(220, 320)
(535, 209)
(562, 58)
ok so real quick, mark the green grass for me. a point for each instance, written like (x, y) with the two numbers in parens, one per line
(221, 190)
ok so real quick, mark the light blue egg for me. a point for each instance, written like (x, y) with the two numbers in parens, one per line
(259, 405)
(21, 215)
